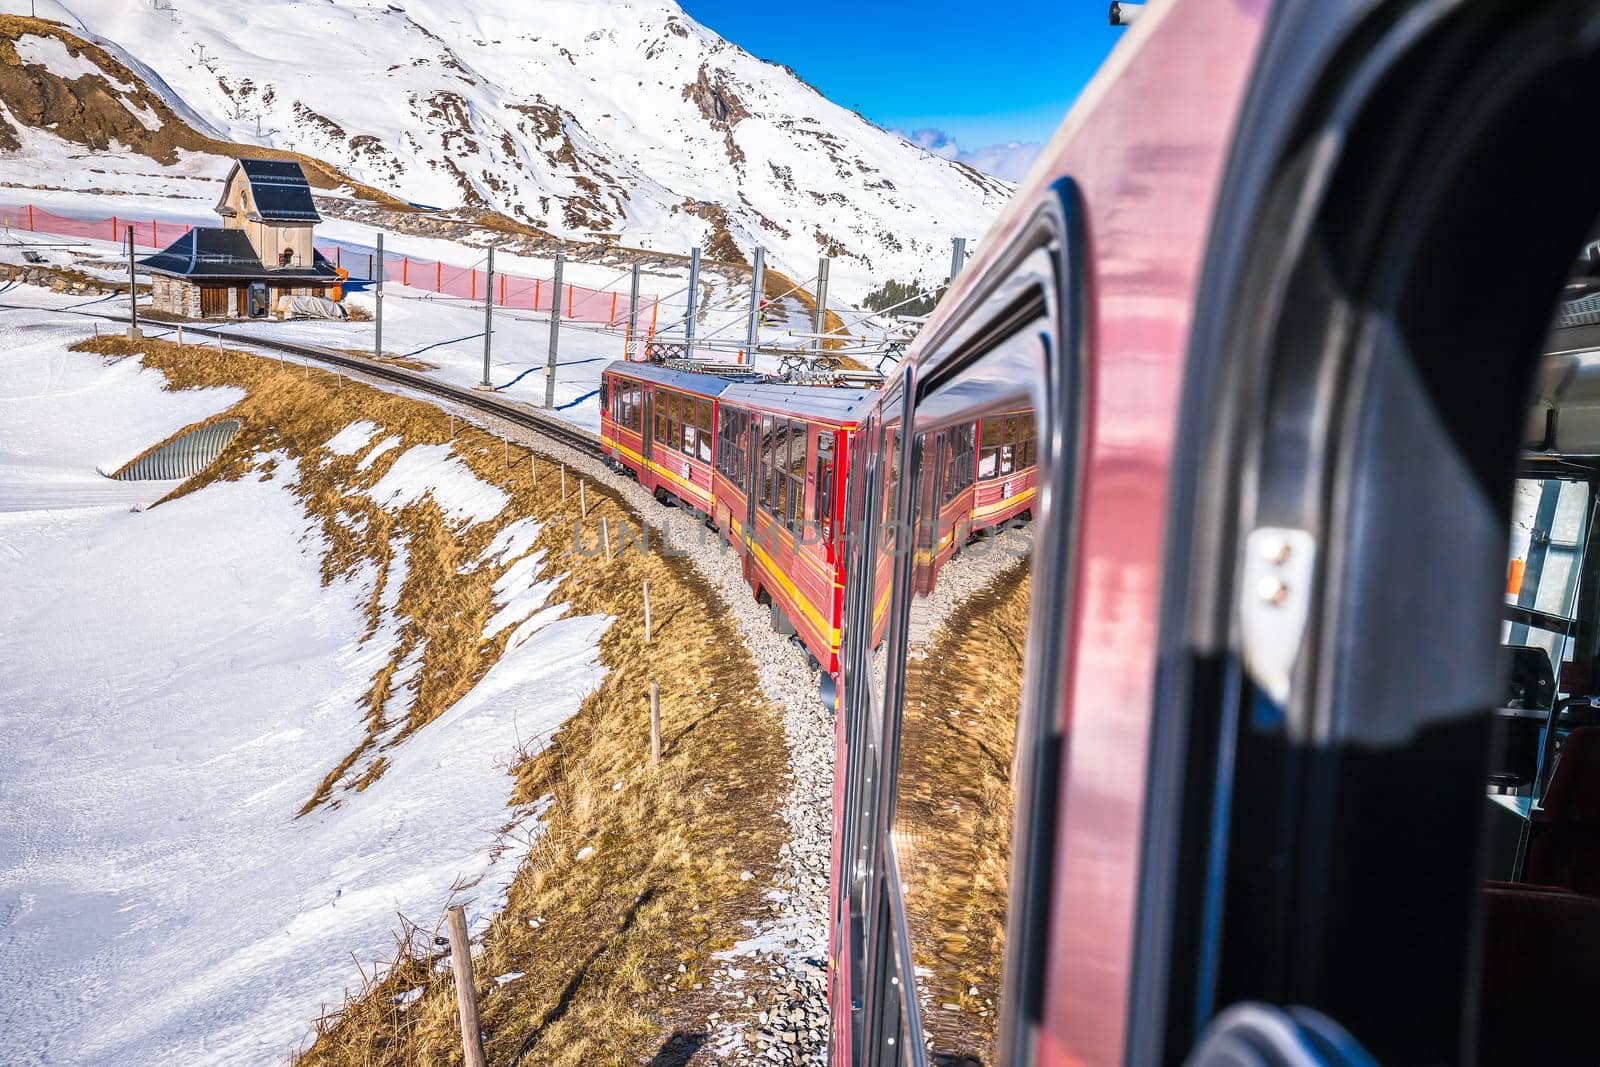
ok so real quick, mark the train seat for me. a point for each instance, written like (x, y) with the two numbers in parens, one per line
(1565, 846)
(1541, 965)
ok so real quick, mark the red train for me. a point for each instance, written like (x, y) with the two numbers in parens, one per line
(1223, 766)
(766, 463)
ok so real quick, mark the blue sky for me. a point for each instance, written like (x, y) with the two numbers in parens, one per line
(981, 73)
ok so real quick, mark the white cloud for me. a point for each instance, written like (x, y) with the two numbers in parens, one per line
(1010, 160)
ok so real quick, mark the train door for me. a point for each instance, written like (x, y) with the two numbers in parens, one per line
(647, 431)
(1317, 832)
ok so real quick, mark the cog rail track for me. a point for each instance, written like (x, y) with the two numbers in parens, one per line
(481, 400)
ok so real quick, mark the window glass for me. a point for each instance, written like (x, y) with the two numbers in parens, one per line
(766, 448)
(797, 472)
(660, 408)
(959, 709)
(989, 453)
(823, 511)
(1549, 521)
(703, 430)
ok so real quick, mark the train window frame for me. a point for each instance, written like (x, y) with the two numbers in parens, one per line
(822, 498)
(1045, 261)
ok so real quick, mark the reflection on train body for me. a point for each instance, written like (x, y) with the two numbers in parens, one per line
(953, 791)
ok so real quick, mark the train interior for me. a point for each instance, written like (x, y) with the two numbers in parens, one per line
(1541, 896)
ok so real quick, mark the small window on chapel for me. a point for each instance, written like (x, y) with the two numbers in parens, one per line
(286, 257)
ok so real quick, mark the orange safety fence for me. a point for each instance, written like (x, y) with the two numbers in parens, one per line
(147, 233)
(578, 302)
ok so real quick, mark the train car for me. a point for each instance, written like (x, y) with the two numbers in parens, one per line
(657, 423)
(1203, 769)
(779, 477)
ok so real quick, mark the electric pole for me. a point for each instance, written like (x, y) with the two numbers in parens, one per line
(377, 333)
(958, 256)
(633, 313)
(694, 293)
(555, 334)
(133, 294)
(819, 321)
(752, 332)
(488, 317)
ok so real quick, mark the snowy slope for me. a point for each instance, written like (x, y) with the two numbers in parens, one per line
(172, 682)
(588, 118)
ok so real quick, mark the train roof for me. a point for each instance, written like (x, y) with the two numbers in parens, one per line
(685, 380)
(811, 401)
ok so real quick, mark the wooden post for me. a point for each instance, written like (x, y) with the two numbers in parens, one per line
(533, 469)
(563, 481)
(605, 535)
(505, 450)
(452, 427)
(647, 611)
(466, 996)
(583, 501)
(655, 724)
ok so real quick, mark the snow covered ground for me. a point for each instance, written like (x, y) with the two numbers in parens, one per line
(173, 685)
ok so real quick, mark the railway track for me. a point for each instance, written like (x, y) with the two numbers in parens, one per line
(478, 399)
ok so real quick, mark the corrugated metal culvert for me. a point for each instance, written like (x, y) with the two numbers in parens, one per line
(183, 458)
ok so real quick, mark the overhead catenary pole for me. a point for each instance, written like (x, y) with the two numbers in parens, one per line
(377, 333)
(133, 293)
(757, 278)
(958, 256)
(819, 320)
(694, 290)
(555, 335)
(488, 317)
(633, 313)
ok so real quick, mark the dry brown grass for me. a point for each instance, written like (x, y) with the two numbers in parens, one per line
(662, 886)
(953, 810)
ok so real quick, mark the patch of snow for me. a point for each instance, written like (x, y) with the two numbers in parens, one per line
(352, 439)
(509, 976)
(51, 53)
(387, 444)
(434, 472)
(514, 540)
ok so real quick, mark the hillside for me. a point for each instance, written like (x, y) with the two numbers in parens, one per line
(595, 121)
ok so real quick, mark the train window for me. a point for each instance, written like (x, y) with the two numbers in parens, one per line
(702, 422)
(959, 461)
(960, 705)
(797, 473)
(1008, 447)
(767, 448)
(1027, 443)
(989, 454)
(660, 408)
(823, 511)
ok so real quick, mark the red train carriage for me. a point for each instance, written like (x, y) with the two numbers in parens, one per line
(779, 479)
(657, 423)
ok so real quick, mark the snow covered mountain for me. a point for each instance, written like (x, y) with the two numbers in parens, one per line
(615, 120)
